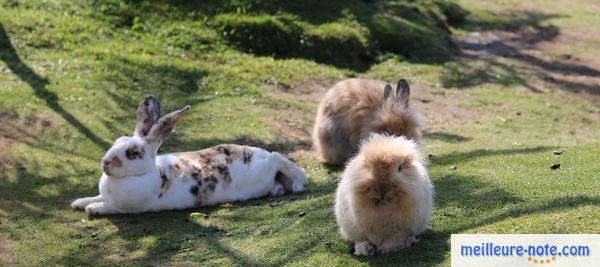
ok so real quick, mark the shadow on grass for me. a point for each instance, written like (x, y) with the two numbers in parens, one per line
(452, 192)
(468, 193)
(284, 146)
(25, 196)
(490, 52)
(559, 203)
(136, 78)
(31, 132)
(199, 237)
(479, 204)
(462, 203)
(9, 55)
(446, 137)
(479, 153)
(145, 75)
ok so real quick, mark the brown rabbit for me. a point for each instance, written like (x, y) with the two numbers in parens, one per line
(354, 108)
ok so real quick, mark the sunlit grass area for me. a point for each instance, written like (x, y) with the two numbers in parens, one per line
(73, 72)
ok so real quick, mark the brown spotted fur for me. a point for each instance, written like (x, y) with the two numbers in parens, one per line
(116, 162)
(148, 113)
(208, 167)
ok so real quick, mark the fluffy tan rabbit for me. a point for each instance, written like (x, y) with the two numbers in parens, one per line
(384, 200)
(354, 108)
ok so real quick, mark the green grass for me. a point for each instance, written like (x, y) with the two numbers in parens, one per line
(73, 72)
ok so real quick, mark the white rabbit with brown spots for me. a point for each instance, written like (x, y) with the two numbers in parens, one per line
(354, 108)
(136, 180)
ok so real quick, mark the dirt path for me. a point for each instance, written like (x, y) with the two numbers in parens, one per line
(530, 54)
(5, 257)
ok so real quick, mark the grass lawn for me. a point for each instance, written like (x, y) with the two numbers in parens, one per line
(525, 84)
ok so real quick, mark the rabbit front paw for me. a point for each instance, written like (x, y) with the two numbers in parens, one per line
(364, 248)
(277, 190)
(99, 208)
(81, 203)
(394, 245)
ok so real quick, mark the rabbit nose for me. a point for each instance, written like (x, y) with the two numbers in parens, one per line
(106, 162)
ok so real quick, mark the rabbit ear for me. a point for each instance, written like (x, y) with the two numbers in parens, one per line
(403, 92)
(147, 114)
(164, 125)
(387, 91)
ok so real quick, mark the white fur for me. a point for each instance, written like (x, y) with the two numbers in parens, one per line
(135, 185)
(136, 194)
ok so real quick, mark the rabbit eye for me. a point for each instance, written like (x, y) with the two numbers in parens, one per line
(133, 153)
(400, 168)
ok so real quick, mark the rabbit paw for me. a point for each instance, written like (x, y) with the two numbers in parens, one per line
(297, 187)
(392, 245)
(81, 203)
(299, 182)
(364, 248)
(98, 208)
(277, 190)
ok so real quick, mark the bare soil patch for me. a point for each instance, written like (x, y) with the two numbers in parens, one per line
(14, 129)
(5, 257)
(441, 110)
(290, 130)
(526, 47)
(311, 92)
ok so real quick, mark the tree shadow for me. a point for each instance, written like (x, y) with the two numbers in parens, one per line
(130, 80)
(499, 52)
(9, 55)
(25, 197)
(558, 203)
(470, 194)
(462, 203)
(332, 168)
(175, 231)
(464, 74)
(143, 74)
(30, 133)
(165, 81)
(282, 145)
(25, 200)
(446, 137)
(480, 204)
(456, 192)
(459, 157)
